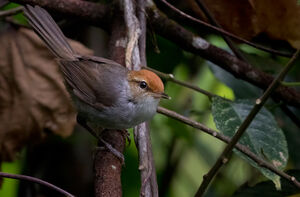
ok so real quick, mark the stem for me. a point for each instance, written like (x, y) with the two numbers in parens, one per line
(290, 84)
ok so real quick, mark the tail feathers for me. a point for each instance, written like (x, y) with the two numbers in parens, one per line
(49, 32)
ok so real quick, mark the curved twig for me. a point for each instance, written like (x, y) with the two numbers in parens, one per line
(35, 180)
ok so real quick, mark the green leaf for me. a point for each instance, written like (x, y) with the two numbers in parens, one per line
(266, 188)
(263, 137)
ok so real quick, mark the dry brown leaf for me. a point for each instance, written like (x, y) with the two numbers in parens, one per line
(32, 94)
(277, 19)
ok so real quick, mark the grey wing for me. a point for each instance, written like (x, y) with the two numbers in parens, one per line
(93, 82)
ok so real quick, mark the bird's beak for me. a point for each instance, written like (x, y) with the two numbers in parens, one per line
(164, 96)
(160, 95)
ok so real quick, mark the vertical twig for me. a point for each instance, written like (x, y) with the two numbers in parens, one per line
(258, 105)
(132, 58)
(146, 130)
(135, 57)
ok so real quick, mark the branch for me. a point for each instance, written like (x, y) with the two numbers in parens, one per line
(93, 13)
(35, 180)
(195, 44)
(260, 162)
(99, 15)
(223, 32)
(258, 105)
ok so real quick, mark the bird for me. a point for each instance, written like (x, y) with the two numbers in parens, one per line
(103, 92)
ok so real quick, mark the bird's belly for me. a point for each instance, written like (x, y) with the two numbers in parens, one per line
(116, 117)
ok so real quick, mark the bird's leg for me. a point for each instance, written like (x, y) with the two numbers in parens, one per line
(115, 152)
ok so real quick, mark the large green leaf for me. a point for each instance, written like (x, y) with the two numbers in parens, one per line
(263, 137)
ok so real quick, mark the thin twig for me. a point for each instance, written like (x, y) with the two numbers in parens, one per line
(170, 77)
(11, 12)
(35, 180)
(213, 21)
(260, 162)
(258, 105)
(221, 31)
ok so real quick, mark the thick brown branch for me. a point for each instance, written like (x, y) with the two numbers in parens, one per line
(221, 31)
(195, 44)
(98, 14)
(93, 13)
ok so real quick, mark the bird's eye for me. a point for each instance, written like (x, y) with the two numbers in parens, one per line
(143, 84)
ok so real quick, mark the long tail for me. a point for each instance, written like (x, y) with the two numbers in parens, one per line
(44, 25)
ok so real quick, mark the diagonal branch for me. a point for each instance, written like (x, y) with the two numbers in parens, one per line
(195, 44)
(94, 13)
(223, 32)
(258, 105)
(99, 15)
